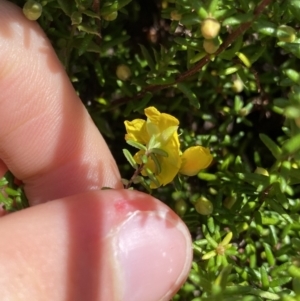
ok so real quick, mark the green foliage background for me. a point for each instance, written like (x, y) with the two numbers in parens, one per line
(256, 126)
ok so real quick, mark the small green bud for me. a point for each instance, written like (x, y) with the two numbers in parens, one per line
(237, 85)
(211, 46)
(210, 28)
(123, 72)
(286, 34)
(32, 10)
(180, 207)
(204, 206)
(111, 17)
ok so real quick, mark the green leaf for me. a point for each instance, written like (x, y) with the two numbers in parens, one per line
(189, 94)
(190, 19)
(147, 57)
(254, 179)
(294, 6)
(195, 44)
(157, 164)
(152, 177)
(229, 53)
(265, 27)
(91, 14)
(130, 159)
(140, 105)
(161, 81)
(112, 43)
(66, 6)
(293, 48)
(238, 19)
(159, 151)
(212, 6)
(136, 145)
(292, 145)
(88, 29)
(271, 145)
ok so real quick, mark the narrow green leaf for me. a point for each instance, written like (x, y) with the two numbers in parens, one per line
(189, 94)
(66, 6)
(147, 57)
(161, 80)
(265, 27)
(136, 145)
(190, 19)
(292, 145)
(91, 14)
(237, 19)
(145, 185)
(85, 42)
(271, 145)
(280, 281)
(223, 277)
(212, 6)
(129, 158)
(159, 151)
(264, 277)
(88, 29)
(254, 178)
(122, 3)
(157, 164)
(195, 44)
(152, 177)
(140, 105)
(293, 48)
(114, 42)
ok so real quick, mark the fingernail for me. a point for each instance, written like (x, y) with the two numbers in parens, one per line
(154, 252)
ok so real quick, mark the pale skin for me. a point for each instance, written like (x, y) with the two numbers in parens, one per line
(76, 241)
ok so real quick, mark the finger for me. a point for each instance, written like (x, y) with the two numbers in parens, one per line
(47, 138)
(3, 168)
(119, 245)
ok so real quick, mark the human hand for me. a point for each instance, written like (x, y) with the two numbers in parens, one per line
(86, 244)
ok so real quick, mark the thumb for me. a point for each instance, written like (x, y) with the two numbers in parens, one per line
(120, 245)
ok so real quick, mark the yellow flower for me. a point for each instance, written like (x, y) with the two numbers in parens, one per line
(163, 127)
(160, 131)
(194, 159)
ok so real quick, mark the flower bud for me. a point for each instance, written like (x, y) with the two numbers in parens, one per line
(211, 46)
(123, 72)
(286, 34)
(237, 85)
(180, 207)
(111, 17)
(204, 206)
(32, 10)
(210, 28)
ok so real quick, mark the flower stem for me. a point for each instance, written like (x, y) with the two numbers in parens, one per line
(135, 174)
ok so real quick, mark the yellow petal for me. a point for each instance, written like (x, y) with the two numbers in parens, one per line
(136, 131)
(169, 166)
(194, 159)
(162, 120)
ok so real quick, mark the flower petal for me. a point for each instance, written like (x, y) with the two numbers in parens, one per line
(162, 120)
(194, 159)
(136, 131)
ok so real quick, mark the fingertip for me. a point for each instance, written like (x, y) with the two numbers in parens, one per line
(106, 245)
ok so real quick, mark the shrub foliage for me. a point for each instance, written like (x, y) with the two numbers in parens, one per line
(229, 71)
